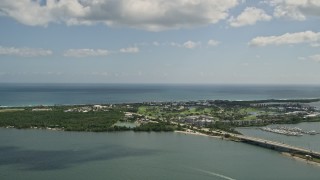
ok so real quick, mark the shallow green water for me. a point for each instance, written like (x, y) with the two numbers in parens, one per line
(41, 154)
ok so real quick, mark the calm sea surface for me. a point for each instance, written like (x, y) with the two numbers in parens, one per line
(50, 94)
(43, 154)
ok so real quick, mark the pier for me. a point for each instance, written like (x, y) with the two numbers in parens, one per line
(281, 147)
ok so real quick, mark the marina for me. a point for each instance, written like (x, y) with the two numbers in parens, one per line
(288, 131)
(309, 142)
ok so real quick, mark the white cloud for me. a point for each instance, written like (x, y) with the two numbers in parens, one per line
(79, 53)
(130, 50)
(156, 43)
(191, 44)
(296, 9)
(288, 38)
(24, 52)
(315, 44)
(152, 15)
(213, 42)
(188, 44)
(249, 16)
(174, 44)
(315, 58)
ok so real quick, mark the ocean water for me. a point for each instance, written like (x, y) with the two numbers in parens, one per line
(51, 94)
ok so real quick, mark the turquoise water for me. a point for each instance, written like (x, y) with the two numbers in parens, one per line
(42, 154)
(50, 94)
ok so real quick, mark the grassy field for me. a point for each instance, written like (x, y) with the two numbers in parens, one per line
(157, 112)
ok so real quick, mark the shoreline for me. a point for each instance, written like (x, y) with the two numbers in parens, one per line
(292, 156)
(286, 154)
(191, 133)
(198, 134)
(275, 100)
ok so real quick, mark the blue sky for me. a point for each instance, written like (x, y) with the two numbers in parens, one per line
(160, 41)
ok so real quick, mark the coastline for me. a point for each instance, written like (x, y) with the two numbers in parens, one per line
(103, 118)
(197, 134)
(257, 100)
(292, 156)
(191, 133)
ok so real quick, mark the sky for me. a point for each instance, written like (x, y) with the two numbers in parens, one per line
(160, 41)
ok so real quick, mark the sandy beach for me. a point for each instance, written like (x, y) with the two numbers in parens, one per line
(196, 133)
(190, 132)
(301, 159)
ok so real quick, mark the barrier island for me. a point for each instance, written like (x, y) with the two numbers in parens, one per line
(204, 117)
(161, 116)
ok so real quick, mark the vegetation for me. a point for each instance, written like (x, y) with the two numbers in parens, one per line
(226, 102)
(313, 159)
(70, 121)
(99, 121)
(160, 116)
(223, 127)
(157, 127)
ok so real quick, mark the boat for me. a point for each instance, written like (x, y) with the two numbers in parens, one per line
(295, 131)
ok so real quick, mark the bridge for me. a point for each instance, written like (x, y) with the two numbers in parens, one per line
(276, 145)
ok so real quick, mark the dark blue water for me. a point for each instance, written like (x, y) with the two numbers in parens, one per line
(50, 94)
